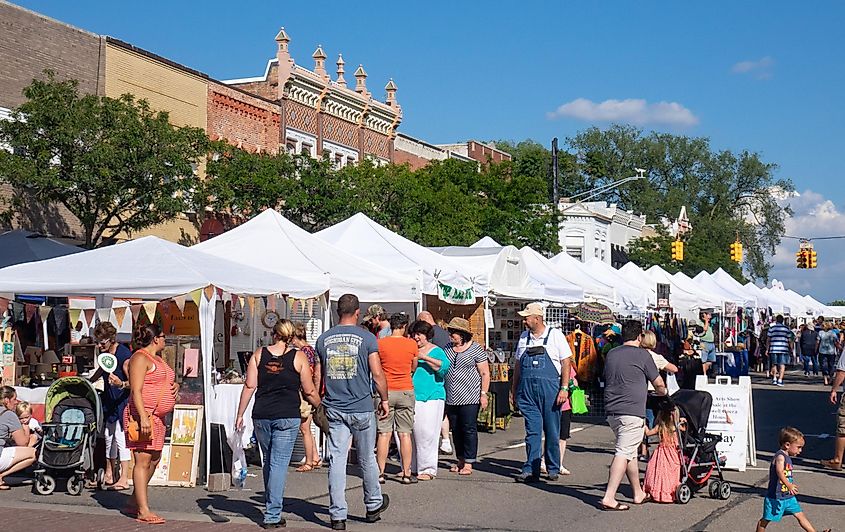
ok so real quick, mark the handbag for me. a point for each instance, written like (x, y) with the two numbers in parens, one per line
(578, 401)
(320, 419)
(133, 429)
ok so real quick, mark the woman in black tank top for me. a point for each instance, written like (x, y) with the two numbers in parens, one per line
(275, 375)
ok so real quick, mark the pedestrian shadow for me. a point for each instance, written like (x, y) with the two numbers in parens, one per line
(759, 489)
(498, 466)
(112, 500)
(252, 509)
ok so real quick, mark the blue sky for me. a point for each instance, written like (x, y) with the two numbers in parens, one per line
(762, 76)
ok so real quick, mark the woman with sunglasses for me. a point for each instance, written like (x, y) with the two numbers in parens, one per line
(150, 381)
(115, 396)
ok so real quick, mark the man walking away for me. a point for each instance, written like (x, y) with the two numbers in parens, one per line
(627, 372)
(540, 387)
(780, 347)
(809, 343)
(350, 361)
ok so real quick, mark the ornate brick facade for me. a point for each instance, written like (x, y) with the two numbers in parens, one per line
(241, 119)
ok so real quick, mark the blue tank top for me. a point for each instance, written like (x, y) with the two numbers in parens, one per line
(777, 489)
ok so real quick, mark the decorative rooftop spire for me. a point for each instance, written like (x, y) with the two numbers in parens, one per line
(340, 70)
(391, 92)
(361, 80)
(283, 40)
(320, 62)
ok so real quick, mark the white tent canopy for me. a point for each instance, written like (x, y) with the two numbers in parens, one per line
(500, 269)
(725, 292)
(684, 298)
(603, 288)
(632, 293)
(153, 269)
(723, 278)
(764, 298)
(272, 242)
(362, 237)
(708, 298)
(486, 242)
(557, 287)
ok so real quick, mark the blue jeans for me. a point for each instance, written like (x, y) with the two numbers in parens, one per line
(276, 438)
(811, 358)
(361, 426)
(828, 363)
(708, 352)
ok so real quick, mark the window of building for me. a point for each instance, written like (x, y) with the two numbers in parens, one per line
(576, 252)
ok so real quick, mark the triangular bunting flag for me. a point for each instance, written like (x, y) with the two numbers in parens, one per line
(242, 302)
(295, 306)
(136, 311)
(271, 302)
(195, 296)
(150, 309)
(251, 301)
(236, 304)
(74, 314)
(30, 310)
(89, 316)
(310, 308)
(119, 314)
(104, 314)
(44, 311)
(209, 292)
(180, 303)
(220, 293)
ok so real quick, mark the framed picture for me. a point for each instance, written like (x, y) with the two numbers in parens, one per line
(510, 324)
(510, 335)
(187, 425)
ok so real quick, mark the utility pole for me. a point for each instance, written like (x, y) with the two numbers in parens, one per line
(555, 191)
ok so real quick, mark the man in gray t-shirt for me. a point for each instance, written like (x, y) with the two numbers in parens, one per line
(627, 372)
(349, 358)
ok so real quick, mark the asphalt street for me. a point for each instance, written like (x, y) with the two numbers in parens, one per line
(491, 500)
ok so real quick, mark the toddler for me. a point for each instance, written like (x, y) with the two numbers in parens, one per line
(24, 412)
(780, 497)
(663, 473)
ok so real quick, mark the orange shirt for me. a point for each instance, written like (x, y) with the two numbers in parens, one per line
(397, 355)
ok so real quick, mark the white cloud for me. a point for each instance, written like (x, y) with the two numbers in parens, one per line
(632, 110)
(760, 69)
(814, 216)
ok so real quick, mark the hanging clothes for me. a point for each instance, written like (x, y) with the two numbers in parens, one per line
(585, 356)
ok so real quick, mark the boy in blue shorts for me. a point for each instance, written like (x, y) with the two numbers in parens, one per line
(780, 497)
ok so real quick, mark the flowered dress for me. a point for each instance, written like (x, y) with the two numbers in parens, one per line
(663, 473)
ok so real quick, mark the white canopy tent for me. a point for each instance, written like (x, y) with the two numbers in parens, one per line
(724, 279)
(153, 269)
(836, 310)
(642, 295)
(501, 270)
(486, 242)
(709, 299)
(723, 291)
(791, 305)
(684, 299)
(557, 287)
(272, 242)
(764, 298)
(820, 309)
(362, 237)
(618, 296)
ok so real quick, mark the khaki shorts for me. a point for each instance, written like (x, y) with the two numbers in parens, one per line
(629, 431)
(304, 407)
(401, 416)
(840, 417)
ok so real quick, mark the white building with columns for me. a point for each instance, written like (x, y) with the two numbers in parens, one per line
(595, 229)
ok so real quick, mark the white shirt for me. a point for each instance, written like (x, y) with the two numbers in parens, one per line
(557, 347)
(659, 361)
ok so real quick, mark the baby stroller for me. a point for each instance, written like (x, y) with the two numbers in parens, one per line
(699, 458)
(73, 422)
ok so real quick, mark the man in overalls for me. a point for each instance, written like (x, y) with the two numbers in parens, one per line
(540, 386)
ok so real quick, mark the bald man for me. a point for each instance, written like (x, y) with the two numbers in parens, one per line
(441, 337)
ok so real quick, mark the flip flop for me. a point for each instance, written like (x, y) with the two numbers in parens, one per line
(5, 487)
(618, 508)
(151, 520)
(830, 464)
(381, 479)
(115, 487)
(648, 498)
(454, 469)
(425, 476)
(465, 472)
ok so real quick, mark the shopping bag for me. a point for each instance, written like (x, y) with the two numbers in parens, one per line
(578, 401)
(672, 384)
(239, 466)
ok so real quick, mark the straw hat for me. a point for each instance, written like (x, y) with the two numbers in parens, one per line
(459, 324)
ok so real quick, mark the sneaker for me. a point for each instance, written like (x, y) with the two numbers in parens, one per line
(564, 471)
(339, 525)
(526, 478)
(446, 446)
(270, 526)
(375, 515)
(774, 382)
(779, 383)
(552, 478)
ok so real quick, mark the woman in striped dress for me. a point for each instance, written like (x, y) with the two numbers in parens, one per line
(151, 381)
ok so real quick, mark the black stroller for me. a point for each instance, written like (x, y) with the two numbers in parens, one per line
(699, 458)
(73, 422)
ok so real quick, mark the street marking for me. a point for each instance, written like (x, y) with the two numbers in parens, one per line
(522, 444)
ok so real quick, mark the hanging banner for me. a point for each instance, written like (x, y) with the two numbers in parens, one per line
(119, 314)
(732, 417)
(30, 311)
(136, 311)
(455, 296)
(44, 311)
(104, 314)
(195, 296)
(89, 317)
(209, 292)
(74, 314)
(180, 303)
(150, 310)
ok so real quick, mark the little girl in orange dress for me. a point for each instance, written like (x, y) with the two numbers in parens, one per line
(663, 473)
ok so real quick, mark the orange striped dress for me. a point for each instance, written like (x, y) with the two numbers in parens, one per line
(157, 385)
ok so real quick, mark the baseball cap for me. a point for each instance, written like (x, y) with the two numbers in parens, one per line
(532, 309)
(374, 311)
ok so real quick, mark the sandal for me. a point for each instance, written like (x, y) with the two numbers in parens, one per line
(619, 507)
(831, 464)
(304, 468)
(5, 487)
(381, 479)
(151, 519)
(408, 479)
(648, 498)
(317, 464)
(454, 469)
(465, 472)
(425, 476)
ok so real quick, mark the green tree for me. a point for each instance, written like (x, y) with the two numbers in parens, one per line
(726, 194)
(837, 303)
(115, 164)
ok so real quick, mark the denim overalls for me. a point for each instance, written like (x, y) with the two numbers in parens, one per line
(539, 385)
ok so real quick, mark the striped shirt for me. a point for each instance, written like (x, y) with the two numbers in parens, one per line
(779, 337)
(463, 381)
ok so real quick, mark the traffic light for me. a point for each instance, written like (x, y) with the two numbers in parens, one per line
(736, 252)
(812, 263)
(677, 250)
(801, 259)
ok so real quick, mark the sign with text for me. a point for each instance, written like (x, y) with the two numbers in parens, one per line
(732, 417)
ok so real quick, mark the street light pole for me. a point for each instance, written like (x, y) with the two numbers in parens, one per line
(602, 189)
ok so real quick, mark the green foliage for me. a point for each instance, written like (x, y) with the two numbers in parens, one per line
(115, 164)
(725, 194)
(445, 203)
(837, 303)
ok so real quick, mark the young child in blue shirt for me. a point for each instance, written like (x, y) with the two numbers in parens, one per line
(780, 497)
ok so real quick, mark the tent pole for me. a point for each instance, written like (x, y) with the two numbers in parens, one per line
(486, 329)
